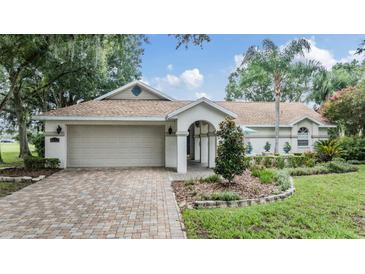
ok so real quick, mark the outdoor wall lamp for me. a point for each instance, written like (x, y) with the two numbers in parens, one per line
(59, 129)
(170, 130)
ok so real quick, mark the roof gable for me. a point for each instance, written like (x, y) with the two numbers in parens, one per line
(136, 90)
(202, 100)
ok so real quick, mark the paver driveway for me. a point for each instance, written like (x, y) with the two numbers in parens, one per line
(94, 203)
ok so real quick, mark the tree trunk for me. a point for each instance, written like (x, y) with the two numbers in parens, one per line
(1, 158)
(22, 124)
(277, 111)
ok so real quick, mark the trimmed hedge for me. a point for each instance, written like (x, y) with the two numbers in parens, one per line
(356, 162)
(282, 161)
(329, 167)
(40, 163)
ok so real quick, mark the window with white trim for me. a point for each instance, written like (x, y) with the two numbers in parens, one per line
(303, 137)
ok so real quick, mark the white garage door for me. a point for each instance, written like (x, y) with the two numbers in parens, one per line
(115, 146)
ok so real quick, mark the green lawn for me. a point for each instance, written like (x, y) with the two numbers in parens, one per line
(10, 152)
(324, 206)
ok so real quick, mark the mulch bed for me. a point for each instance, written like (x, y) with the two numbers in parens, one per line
(247, 186)
(18, 172)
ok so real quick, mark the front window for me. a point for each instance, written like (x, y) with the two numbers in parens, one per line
(303, 137)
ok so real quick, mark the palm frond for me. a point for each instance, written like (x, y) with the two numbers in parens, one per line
(296, 47)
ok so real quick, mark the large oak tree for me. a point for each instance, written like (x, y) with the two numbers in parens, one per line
(41, 72)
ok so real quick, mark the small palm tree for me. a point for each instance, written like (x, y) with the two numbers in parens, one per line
(326, 150)
(280, 64)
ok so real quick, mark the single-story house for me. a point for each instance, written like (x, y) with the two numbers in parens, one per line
(137, 125)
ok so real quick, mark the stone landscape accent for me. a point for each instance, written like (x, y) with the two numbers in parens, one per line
(22, 178)
(247, 202)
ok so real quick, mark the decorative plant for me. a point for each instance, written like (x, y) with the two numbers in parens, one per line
(287, 147)
(231, 150)
(326, 150)
(249, 148)
(267, 147)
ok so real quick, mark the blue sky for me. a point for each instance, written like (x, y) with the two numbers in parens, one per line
(195, 72)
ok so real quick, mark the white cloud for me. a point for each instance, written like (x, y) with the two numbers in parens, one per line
(324, 56)
(170, 67)
(201, 94)
(352, 56)
(192, 78)
(173, 80)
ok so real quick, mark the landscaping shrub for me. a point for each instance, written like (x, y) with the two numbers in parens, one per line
(268, 161)
(38, 141)
(356, 162)
(302, 171)
(230, 159)
(225, 196)
(310, 163)
(40, 163)
(282, 179)
(340, 167)
(212, 179)
(353, 148)
(281, 161)
(326, 150)
(296, 161)
(329, 167)
(266, 176)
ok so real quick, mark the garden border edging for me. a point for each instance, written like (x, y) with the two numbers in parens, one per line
(22, 178)
(248, 202)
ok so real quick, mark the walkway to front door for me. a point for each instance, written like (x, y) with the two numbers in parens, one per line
(94, 203)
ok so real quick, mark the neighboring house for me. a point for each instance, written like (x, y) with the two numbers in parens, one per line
(137, 125)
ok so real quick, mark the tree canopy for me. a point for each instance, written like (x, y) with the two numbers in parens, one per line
(340, 76)
(346, 108)
(42, 72)
(254, 79)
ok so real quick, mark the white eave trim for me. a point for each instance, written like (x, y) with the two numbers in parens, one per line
(197, 102)
(139, 83)
(285, 126)
(250, 126)
(320, 124)
(305, 117)
(99, 118)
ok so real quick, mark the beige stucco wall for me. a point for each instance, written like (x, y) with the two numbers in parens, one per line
(259, 138)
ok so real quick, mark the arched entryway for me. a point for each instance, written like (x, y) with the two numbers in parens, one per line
(201, 144)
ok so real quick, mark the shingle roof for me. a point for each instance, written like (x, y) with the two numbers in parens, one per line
(249, 113)
(263, 113)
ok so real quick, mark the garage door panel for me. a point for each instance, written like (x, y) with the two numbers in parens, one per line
(98, 146)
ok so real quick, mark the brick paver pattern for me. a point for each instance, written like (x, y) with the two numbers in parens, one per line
(94, 203)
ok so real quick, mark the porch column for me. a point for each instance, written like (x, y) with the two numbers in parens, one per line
(212, 149)
(204, 148)
(181, 151)
(196, 143)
